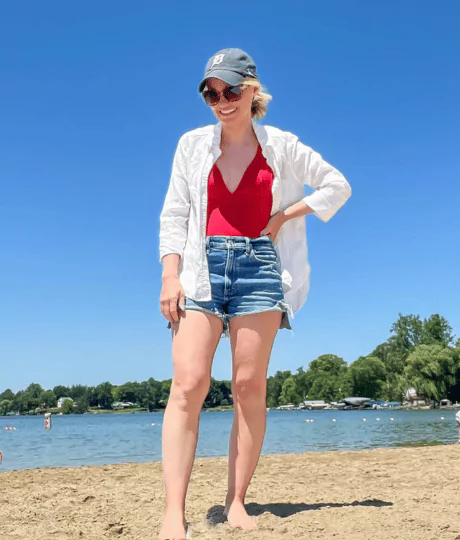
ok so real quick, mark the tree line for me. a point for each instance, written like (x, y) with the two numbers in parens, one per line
(419, 353)
(149, 395)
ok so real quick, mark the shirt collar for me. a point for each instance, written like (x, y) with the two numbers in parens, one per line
(261, 133)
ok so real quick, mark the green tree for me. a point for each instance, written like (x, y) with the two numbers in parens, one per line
(23, 402)
(226, 390)
(129, 392)
(407, 333)
(116, 393)
(33, 393)
(324, 388)
(92, 396)
(6, 406)
(327, 378)
(144, 396)
(367, 376)
(214, 396)
(436, 329)
(328, 363)
(61, 391)
(104, 395)
(274, 387)
(81, 405)
(302, 382)
(17, 401)
(165, 390)
(77, 391)
(149, 394)
(67, 407)
(453, 392)
(394, 361)
(7, 394)
(289, 392)
(35, 390)
(48, 398)
(431, 370)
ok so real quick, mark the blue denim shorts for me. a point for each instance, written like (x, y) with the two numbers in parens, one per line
(245, 279)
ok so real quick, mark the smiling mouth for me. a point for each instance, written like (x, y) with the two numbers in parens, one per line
(228, 111)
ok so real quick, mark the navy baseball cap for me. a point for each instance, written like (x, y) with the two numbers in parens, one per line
(231, 66)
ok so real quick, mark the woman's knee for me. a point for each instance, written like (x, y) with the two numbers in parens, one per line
(247, 387)
(189, 388)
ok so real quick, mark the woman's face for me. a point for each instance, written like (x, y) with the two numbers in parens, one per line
(232, 112)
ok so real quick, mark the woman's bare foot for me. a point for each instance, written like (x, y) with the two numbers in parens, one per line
(238, 518)
(174, 528)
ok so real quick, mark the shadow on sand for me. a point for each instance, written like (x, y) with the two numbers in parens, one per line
(215, 515)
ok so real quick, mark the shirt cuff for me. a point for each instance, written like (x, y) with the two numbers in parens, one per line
(170, 251)
(321, 207)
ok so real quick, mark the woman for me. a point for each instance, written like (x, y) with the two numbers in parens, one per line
(234, 254)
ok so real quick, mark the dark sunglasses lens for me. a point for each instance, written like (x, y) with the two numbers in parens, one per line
(232, 93)
(211, 97)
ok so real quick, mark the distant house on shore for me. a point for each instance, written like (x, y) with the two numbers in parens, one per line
(288, 407)
(393, 405)
(314, 404)
(413, 398)
(123, 405)
(61, 401)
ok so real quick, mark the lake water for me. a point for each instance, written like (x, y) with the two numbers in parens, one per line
(101, 439)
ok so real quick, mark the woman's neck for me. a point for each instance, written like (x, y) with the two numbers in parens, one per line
(239, 135)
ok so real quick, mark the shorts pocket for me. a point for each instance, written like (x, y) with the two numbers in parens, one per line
(264, 255)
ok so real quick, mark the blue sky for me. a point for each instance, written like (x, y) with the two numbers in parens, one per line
(93, 98)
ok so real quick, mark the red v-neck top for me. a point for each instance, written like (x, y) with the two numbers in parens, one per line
(245, 211)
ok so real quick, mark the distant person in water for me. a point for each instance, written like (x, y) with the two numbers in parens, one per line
(234, 255)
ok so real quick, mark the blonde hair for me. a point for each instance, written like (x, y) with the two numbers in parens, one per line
(261, 99)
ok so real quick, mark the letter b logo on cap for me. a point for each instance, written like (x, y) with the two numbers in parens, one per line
(217, 59)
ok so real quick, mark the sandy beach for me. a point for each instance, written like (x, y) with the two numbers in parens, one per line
(407, 493)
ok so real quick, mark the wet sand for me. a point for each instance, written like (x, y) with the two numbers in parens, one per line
(407, 493)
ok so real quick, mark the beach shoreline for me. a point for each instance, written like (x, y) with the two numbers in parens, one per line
(389, 493)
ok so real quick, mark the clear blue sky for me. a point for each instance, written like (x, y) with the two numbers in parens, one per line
(93, 98)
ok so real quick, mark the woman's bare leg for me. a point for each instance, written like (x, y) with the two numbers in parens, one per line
(252, 338)
(195, 339)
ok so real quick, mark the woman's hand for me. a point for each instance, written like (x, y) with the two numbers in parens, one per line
(274, 225)
(172, 299)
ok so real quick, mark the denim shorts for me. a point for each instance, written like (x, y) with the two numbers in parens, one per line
(245, 279)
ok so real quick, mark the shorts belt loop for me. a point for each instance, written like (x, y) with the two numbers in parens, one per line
(248, 246)
(207, 245)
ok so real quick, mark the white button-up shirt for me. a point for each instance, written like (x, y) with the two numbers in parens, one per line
(184, 214)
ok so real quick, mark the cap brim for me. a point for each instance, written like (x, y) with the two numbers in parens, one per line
(229, 77)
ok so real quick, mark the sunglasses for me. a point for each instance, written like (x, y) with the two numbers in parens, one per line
(231, 93)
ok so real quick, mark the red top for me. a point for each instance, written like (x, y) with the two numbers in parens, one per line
(245, 211)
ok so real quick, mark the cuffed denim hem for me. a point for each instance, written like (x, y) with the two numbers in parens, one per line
(225, 318)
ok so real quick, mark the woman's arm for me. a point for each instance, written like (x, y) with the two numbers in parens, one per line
(170, 266)
(173, 236)
(277, 220)
(331, 188)
(172, 297)
(176, 208)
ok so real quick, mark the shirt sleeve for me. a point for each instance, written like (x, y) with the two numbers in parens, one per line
(331, 188)
(176, 208)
